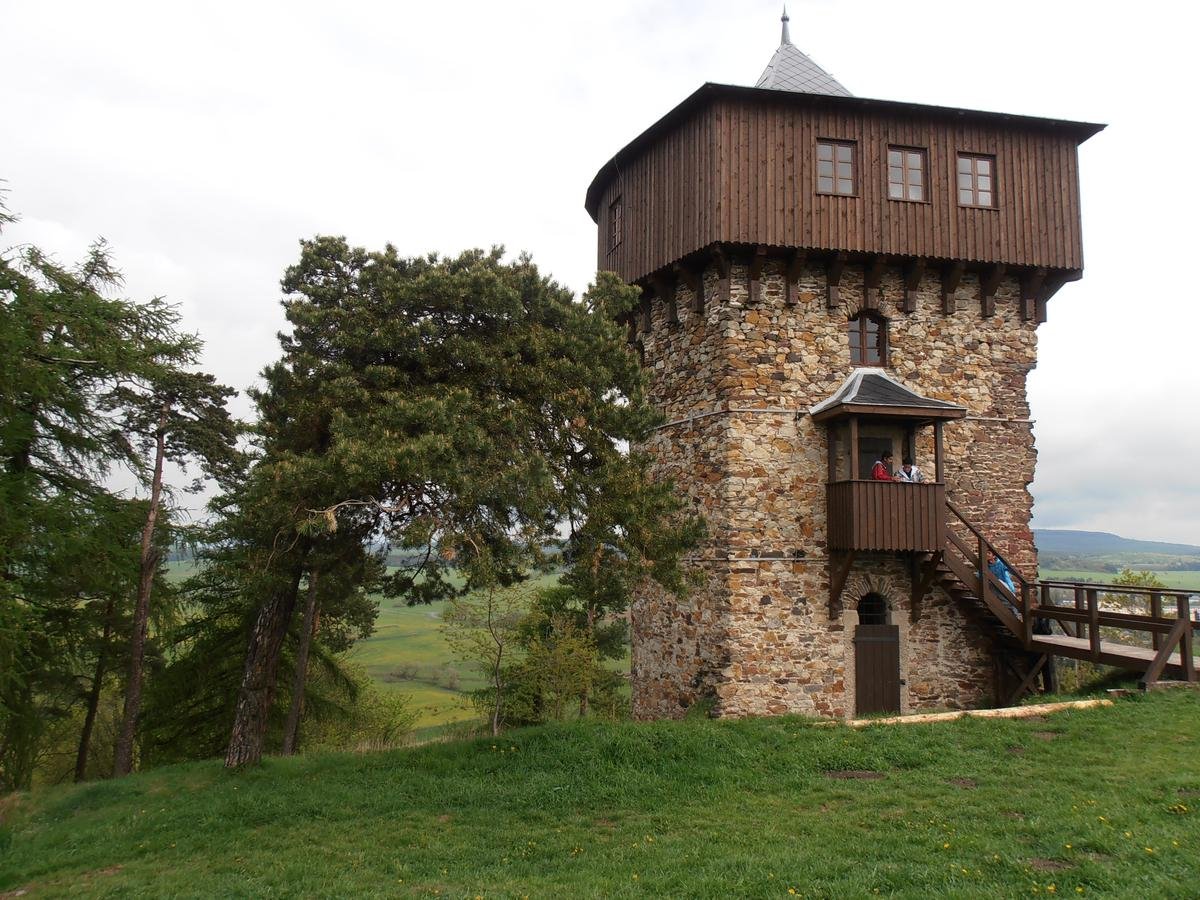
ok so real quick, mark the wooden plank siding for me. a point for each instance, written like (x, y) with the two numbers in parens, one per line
(886, 515)
(740, 170)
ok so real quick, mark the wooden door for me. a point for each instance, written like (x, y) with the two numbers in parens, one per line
(877, 669)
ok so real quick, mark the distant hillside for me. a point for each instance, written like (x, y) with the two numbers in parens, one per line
(1053, 540)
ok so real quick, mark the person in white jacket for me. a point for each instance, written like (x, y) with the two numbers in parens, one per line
(910, 473)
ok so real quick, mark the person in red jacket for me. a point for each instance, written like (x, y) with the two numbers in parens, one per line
(882, 470)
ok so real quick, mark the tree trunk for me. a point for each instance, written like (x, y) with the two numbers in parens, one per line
(292, 728)
(250, 717)
(89, 721)
(123, 759)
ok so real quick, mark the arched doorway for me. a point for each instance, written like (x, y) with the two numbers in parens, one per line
(876, 658)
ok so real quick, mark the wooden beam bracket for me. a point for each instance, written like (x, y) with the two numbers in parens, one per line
(872, 276)
(837, 582)
(913, 273)
(724, 264)
(1049, 288)
(833, 280)
(695, 283)
(988, 282)
(1031, 289)
(951, 278)
(791, 274)
(664, 286)
(757, 260)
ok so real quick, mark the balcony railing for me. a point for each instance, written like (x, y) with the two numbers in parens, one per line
(886, 515)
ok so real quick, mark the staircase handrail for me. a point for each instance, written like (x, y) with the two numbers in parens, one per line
(987, 583)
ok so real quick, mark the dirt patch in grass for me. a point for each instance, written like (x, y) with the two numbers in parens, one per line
(444, 818)
(1018, 751)
(1045, 735)
(1049, 865)
(19, 892)
(967, 784)
(851, 774)
(1020, 817)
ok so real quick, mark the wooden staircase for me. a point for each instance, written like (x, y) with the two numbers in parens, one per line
(1009, 617)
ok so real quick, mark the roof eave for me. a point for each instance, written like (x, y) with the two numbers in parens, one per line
(917, 413)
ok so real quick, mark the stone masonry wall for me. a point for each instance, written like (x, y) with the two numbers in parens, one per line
(735, 383)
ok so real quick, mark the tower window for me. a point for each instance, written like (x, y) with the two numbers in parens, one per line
(906, 173)
(614, 224)
(976, 180)
(837, 168)
(868, 339)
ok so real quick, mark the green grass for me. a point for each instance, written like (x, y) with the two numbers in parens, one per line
(1102, 800)
(1182, 580)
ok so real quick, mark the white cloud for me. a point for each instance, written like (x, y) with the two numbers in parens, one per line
(205, 140)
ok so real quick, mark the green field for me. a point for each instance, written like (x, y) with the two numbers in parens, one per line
(408, 653)
(1089, 802)
(1181, 579)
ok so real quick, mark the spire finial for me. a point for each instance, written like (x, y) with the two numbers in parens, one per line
(787, 38)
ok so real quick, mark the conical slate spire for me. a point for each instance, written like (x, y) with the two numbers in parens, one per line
(791, 70)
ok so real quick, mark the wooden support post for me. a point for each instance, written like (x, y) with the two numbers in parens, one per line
(988, 282)
(951, 278)
(722, 262)
(913, 273)
(647, 313)
(1093, 606)
(1156, 613)
(631, 329)
(791, 274)
(695, 283)
(1027, 681)
(939, 474)
(1174, 637)
(833, 280)
(929, 574)
(1031, 287)
(837, 583)
(664, 286)
(831, 452)
(757, 260)
(1186, 661)
(872, 276)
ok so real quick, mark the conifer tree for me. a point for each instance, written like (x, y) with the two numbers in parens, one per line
(445, 404)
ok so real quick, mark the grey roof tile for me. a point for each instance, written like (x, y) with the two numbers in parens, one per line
(875, 387)
(790, 70)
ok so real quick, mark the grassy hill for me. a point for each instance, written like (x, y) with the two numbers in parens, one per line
(1098, 801)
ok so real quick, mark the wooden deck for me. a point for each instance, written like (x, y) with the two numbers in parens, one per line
(1124, 656)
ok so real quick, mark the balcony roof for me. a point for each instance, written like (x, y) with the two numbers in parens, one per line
(873, 392)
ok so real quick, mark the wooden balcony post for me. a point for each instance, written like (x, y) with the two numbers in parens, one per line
(938, 474)
(854, 448)
(1081, 605)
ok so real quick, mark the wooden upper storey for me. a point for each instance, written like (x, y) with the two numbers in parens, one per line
(735, 165)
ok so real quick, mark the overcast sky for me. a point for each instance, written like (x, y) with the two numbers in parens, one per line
(203, 140)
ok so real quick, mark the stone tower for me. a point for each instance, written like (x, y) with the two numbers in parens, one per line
(825, 279)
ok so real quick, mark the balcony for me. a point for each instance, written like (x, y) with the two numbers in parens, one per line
(886, 516)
